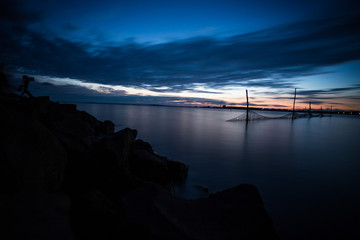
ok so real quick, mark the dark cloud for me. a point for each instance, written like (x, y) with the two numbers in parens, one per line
(11, 12)
(268, 58)
(189, 101)
(349, 93)
(252, 104)
(334, 96)
(70, 28)
(314, 102)
(356, 88)
(277, 105)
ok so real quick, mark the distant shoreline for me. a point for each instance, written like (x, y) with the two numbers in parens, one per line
(334, 112)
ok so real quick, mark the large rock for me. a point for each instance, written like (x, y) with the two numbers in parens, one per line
(117, 146)
(236, 213)
(32, 158)
(105, 128)
(149, 166)
(35, 216)
(75, 129)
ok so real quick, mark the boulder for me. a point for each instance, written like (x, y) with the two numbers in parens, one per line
(35, 216)
(32, 158)
(75, 129)
(117, 145)
(149, 166)
(94, 216)
(105, 128)
(236, 213)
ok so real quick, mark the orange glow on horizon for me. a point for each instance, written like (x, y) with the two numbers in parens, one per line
(234, 96)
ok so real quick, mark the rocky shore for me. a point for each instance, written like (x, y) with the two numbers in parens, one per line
(66, 175)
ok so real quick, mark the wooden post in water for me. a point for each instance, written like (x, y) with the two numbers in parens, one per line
(293, 112)
(247, 106)
(309, 109)
(331, 112)
(321, 114)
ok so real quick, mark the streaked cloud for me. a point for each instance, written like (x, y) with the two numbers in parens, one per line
(265, 58)
(198, 67)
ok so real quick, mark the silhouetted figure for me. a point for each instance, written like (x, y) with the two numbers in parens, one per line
(26, 80)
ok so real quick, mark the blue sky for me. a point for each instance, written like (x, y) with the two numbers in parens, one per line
(186, 52)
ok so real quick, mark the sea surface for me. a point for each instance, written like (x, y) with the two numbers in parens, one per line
(307, 170)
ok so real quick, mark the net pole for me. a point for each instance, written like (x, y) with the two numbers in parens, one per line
(247, 106)
(293, 112)
(331, 112)
(321, 113)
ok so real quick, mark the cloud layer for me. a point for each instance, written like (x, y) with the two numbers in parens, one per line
(270, 58)
(272, 61)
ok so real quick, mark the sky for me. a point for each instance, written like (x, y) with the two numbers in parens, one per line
(197, 53)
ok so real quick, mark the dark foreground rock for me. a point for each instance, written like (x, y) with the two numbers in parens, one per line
(66, 175)
(236, 213)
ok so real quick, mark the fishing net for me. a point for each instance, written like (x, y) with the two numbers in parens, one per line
(251, 116)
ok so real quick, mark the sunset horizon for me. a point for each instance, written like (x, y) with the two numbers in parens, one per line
(145, 53)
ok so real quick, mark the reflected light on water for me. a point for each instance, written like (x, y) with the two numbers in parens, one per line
(305, 169)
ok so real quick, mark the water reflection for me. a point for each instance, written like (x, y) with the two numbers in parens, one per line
(306, 169)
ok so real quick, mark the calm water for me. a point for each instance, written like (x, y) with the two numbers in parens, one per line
(307, 170)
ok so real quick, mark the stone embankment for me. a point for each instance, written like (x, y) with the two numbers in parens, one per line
(66, 175)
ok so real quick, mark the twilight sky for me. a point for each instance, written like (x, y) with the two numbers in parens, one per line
(186, 52)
